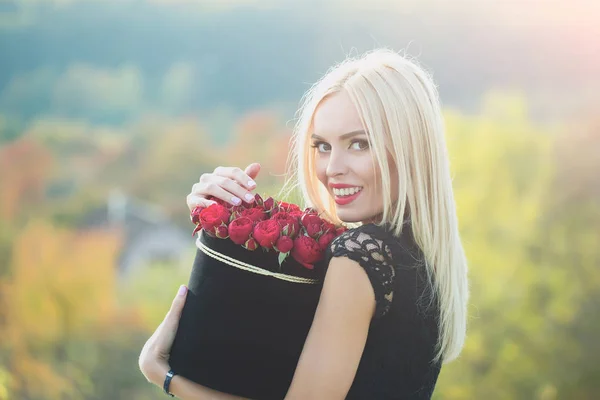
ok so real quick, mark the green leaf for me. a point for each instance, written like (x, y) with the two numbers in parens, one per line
(282, 257)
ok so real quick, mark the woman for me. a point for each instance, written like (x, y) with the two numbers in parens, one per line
(368, 150)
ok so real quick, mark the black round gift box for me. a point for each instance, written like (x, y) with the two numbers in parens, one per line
(242, 332)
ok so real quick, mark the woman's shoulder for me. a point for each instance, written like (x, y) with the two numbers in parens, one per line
(379, 252)
(362, 239)
(379, 243)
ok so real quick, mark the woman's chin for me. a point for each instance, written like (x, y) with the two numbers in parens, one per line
(349, 217)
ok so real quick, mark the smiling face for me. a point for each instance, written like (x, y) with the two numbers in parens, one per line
(344, 162)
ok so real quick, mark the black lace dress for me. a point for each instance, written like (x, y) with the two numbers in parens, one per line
(397, 359)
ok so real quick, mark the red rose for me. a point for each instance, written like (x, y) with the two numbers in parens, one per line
(310, 219)
(313, 230)
(284, 244)
(266, 233)
(289, 225)
(328, 227)
(306, 251)
(255, 214)
(250, 244)
(213, 216)
(296, 214)
(240, 230)
(288, 207)
(326, 239)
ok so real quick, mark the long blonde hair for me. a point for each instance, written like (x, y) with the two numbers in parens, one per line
(399, 106)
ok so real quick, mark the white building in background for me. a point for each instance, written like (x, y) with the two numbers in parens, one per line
(149, 235)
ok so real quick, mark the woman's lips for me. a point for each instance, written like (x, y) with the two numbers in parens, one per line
(343, 200)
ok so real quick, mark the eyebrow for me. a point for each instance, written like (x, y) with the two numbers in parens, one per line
(344, 136)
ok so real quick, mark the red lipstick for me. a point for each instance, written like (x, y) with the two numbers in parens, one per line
(343, 200)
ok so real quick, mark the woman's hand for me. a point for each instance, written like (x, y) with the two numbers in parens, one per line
(154, 358)
(229, 184)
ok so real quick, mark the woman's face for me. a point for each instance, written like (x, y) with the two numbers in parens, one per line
(344, 162)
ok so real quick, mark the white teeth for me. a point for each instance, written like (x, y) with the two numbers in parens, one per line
(346, 191)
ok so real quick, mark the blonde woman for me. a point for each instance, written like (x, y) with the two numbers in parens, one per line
(369, 151)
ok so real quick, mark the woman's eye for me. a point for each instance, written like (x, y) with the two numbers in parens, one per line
(321, 147)
(359, 145)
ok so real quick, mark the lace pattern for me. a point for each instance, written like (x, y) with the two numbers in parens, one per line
(375, 256)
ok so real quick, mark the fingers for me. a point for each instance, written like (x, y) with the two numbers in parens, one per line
(171, 321)
(194, 201)
(237, 175)
(252, 170)
(160, 343)
(224, 189)
(229, 184)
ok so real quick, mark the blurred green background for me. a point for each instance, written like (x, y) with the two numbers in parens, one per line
(111, 110)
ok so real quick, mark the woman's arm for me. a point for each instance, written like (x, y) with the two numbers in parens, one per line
(183, 388)
(153, 361)
(337, 337)
(331, 353)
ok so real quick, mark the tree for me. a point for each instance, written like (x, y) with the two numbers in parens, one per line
(59, 299)
(532, 262)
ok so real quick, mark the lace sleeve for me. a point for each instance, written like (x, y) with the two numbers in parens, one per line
(374, 255)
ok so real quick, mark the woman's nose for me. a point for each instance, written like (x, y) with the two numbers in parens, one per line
(337, 164)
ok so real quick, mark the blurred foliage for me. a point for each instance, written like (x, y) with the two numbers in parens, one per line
(109, 62)
(72, 328)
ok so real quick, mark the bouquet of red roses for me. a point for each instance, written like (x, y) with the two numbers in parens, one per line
(270, 225)
(252, 294)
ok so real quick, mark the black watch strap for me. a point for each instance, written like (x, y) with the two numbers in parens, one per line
(168, 378)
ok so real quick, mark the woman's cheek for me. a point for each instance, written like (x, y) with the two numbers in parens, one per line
(321, 169)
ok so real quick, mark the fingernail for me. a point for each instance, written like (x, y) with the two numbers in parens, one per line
(182, 290)
(251, 183)
(249, 197)
(235, 200)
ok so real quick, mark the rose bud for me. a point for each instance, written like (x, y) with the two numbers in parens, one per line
(250, 244)
(326, 239)
(240, 230)
(258, 201)
(195, 214)
(222, 232)
(311, 211)
(213, 216)
(284, 244)
(266, 233)
(236, 212)
(269, 204)
(306, 251)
